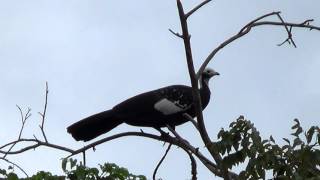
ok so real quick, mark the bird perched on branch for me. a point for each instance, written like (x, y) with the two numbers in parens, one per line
(158, 108)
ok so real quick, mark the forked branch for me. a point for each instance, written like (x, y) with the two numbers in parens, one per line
(257, 22)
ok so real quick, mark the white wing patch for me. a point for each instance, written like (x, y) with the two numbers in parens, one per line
(167, 107)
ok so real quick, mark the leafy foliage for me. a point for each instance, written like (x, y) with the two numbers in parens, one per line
(74, 171)
(296, 159)
(108, 171)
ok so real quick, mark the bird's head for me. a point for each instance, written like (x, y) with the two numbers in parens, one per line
(207, 74)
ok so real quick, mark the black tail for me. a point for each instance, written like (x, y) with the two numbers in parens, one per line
(93, 126)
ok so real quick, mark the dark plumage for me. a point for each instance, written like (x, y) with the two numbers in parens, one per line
(157, 108)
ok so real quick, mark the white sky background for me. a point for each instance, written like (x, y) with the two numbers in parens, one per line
(95, 54)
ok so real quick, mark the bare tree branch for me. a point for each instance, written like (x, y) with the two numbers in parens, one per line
(174, 132)
(176, 34)
(305, 24)
(160, 162)
(289, 39)
(193, 167)
(37, 144)
(24, 118)
(195, 90)
(196, 8)
(195, 124)
(43, 114)
(247, 28)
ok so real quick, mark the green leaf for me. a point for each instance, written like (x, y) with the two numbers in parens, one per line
(264, 141)
(3, 172)
(261, 173)
(310, 134)
(296, 142)
(272, 140)
(93, 171)
(220, 133)
(64, 164)
(298, 132)
(285, 147)
(12, 176)
(241, 117)
(73, 162)
(236, 146)
(287, 140)
(232, 124)
(297, 121)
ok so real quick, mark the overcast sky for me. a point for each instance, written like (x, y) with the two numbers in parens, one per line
(95, 54)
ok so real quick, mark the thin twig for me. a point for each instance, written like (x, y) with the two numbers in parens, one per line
(16, 165)
(256, 20)
(298, 25)
(195, 124)
(160, 162)
(24, 118)
(289, 39)
(193, 166)
(43, 114)
(37, 144)
(196, 8)
(196, 94)
(176, 34)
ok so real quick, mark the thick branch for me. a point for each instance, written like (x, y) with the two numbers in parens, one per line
(195, 90)
(194, 81)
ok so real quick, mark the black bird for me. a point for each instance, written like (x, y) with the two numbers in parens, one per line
(157, 108)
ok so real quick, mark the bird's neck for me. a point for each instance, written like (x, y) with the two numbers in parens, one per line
(204, 92)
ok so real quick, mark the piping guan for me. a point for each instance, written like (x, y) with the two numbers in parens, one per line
(157, 108)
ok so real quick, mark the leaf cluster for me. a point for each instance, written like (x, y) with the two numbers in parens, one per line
(77, 171)
(107, 171)
(296, 159)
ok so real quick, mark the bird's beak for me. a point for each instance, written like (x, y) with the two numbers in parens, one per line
(216, 74)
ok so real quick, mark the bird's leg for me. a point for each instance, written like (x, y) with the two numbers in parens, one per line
(163, 133)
